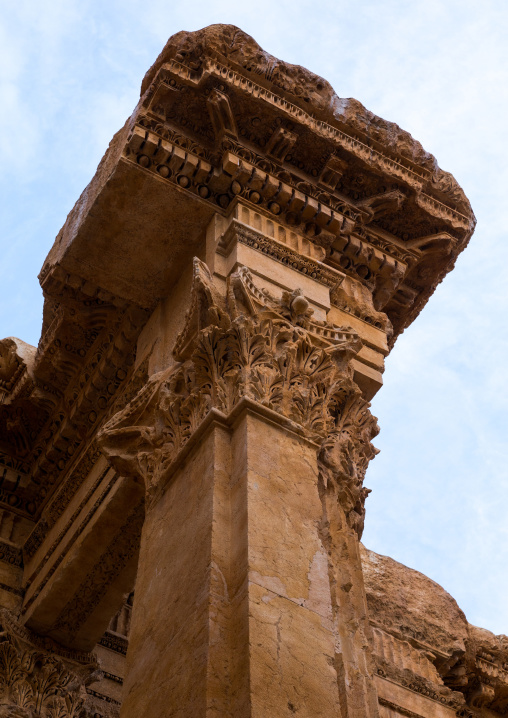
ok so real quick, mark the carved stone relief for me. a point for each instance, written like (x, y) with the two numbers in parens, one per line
(250, 346)
(97, 582)
(38, 682)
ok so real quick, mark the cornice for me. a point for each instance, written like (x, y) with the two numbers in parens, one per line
(229, 55)
(389, 163)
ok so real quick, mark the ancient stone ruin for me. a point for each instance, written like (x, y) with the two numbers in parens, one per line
(183, 455)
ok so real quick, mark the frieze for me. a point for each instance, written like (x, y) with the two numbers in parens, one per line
(319, 222)
(10, 554)
(379, 262)
(114, 643)
(235, 177)
(281, 253)
(185, 143)
(316, 192)
(95, 585)
(79, 530)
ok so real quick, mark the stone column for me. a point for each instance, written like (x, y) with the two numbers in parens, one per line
(253, 449)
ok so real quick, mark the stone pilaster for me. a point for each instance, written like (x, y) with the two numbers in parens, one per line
(253, 451)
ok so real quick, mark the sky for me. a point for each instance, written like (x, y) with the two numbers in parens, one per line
(70, 73)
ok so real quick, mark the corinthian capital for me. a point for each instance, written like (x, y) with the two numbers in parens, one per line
(246, 345)
(36, 679)
(345, 456)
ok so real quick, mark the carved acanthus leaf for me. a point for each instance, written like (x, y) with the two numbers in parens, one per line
(345, 456)
(207, 306)
(248, 345)
(38, 683)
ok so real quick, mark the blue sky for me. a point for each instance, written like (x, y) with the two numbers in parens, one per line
(70, 73)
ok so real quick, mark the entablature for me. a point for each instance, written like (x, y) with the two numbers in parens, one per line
(354, 196)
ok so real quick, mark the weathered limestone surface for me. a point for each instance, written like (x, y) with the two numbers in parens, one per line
(425, 651)
(194, 425)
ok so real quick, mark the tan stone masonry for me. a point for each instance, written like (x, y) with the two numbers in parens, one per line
(183, 455)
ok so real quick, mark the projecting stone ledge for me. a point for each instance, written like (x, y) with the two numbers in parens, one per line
(310, 93)
(221, 121)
